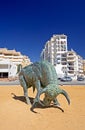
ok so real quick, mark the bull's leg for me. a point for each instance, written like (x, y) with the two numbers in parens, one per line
(24, 85)
(37, 98)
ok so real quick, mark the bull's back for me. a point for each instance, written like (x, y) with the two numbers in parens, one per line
(43, 71)
(49, 74)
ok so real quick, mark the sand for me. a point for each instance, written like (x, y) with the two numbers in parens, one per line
(15, 114)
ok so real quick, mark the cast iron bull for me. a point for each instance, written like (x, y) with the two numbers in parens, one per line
(42, 76)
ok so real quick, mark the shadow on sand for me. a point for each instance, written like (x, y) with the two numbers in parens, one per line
(37, 105)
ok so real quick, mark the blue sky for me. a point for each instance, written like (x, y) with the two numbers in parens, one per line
(26, 25)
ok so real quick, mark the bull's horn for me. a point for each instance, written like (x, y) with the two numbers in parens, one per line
(66, 95)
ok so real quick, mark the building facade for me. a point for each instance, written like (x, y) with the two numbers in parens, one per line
(65, 62)
(84, 66)
(9, 61)
(55, 50)
(74, 64)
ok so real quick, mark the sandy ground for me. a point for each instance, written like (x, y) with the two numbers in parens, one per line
(15, 114)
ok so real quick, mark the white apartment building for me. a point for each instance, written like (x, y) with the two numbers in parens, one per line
(74, 64)
(55, 52)
(55, 49)
(9, 61)
(65, 62)
(84, 66)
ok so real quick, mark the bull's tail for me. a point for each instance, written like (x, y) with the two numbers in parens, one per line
(19, 67)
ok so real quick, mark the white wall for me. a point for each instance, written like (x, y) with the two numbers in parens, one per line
(12, 70)
(10, 67)
(59, 71)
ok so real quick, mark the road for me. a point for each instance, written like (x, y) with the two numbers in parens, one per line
(73, 82)
(16, 82)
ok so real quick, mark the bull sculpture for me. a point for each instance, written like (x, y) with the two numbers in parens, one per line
(43, 77)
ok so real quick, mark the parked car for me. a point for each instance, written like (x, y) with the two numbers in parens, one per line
(80, 78)
(66, 79)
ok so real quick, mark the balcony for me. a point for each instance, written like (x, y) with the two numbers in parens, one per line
(70, 59)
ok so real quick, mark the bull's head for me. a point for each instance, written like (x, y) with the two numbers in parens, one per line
(51, 92)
